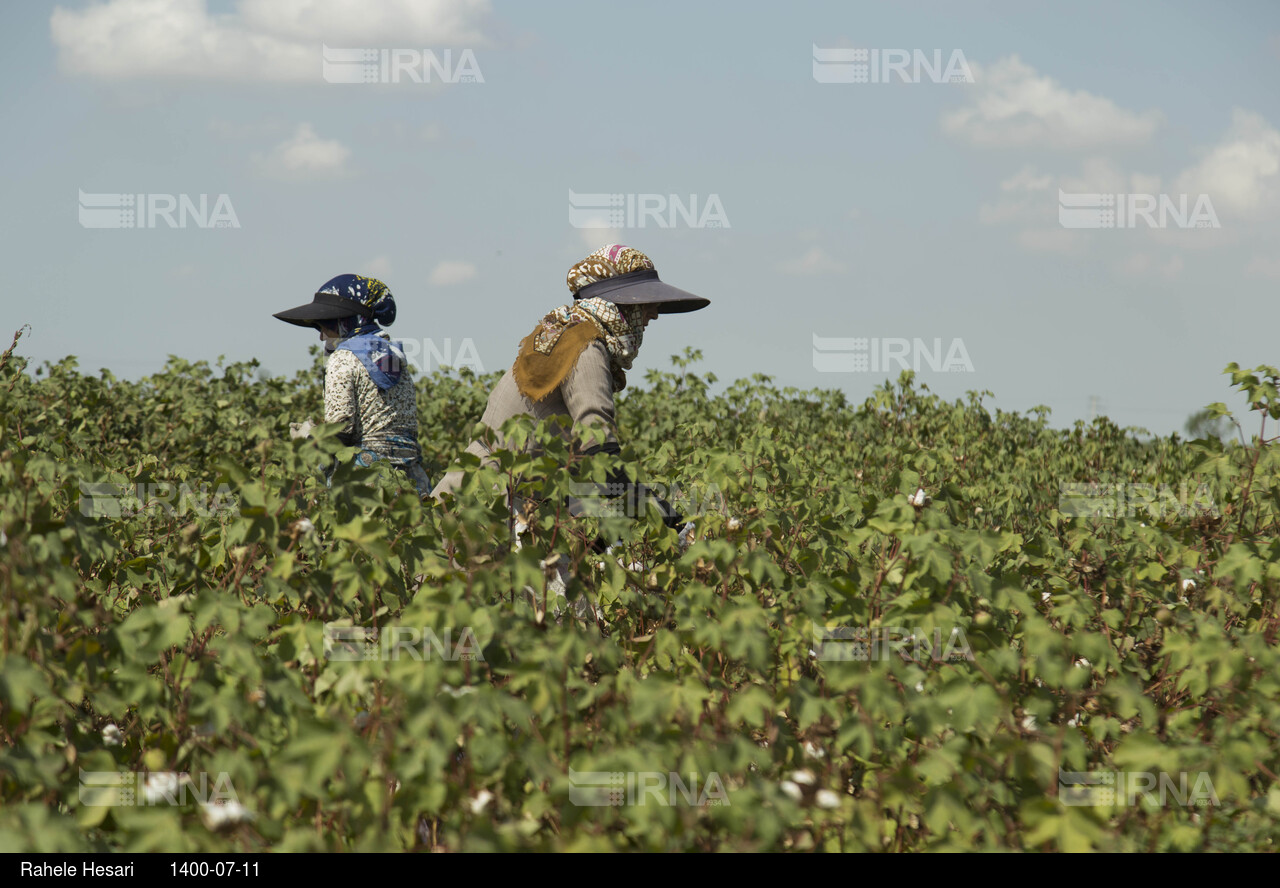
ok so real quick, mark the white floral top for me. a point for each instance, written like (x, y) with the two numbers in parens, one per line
(370, 415)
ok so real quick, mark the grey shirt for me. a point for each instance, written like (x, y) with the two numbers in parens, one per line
(585, 396)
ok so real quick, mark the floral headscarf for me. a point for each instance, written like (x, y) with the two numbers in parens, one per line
(369, 292)
(621, 325)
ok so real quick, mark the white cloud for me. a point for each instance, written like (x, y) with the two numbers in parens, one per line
(447, 274)
(595, 238)
(1033, 197)
(1242, 172)
(1026, 179)
(1013, 106)
(379, 267)
(815, 261)
(306, 156)
(263, 40)
(1031, 204)
(1098, 175)
(361, 23)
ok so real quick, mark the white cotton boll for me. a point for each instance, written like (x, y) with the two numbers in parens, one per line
(305, 525)
(791, 790)
(226, 814)
(919, 687)
(1029, 723)
(804, 778)
(826, 799)
(1188, 584)
(635, 566)
(1045, 596)
(918, 499)
(814, 751)
(1083, 663)
(213, 816)
(161, 785)
(112, 736)
(733, 524)
(481, 801)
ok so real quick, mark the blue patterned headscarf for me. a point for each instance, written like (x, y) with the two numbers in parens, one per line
(369, 292)
(359, 334)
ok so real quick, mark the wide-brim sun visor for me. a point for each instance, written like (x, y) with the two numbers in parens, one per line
(325, 307)
(643, 288)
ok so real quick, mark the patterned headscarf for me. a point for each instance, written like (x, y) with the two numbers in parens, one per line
(621, 325)
(360, 333)
(369, 292)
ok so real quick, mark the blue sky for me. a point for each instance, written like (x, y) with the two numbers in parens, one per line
(898, 210)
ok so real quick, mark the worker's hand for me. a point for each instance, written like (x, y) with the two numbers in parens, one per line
(686, 536)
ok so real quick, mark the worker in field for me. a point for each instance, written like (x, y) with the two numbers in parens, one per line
(577, 357)
(367, 386)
